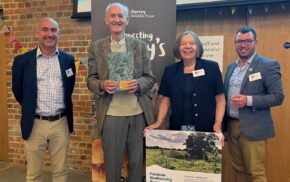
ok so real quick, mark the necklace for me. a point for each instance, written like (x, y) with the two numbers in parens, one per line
(188, 69)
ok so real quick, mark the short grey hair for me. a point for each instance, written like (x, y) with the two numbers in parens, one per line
(122, 6)
(199, 47)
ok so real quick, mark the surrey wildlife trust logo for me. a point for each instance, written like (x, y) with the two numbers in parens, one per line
(140, 14)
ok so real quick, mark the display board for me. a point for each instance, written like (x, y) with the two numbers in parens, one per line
(183, 156)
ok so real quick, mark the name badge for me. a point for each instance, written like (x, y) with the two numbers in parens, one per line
(255, 76)
(197, 73)
(69, 72)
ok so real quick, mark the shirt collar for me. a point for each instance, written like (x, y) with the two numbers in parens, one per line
(121, 42)
(39, 53)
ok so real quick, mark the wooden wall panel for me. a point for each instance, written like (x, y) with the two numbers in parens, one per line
(273, 30)
(3, 105)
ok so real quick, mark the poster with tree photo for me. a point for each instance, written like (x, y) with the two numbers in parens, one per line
(183, 156)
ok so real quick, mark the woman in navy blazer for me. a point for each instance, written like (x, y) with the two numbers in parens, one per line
(193, 88)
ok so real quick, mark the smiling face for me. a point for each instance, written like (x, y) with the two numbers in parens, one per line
(116, 20)
(47, 33)
(188, 48)
(245, 45)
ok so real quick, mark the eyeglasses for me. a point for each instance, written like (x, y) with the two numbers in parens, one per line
(246, 42)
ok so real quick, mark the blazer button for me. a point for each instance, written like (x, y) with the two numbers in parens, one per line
(195, 105)
(196, 114)
(194, 94)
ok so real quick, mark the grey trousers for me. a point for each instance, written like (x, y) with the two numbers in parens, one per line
(120, 134)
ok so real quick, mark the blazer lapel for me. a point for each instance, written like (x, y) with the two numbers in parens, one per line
(250, 71)
(33, 70)
(228, 74)
(130, 45)
(198, 66)
(63, 67)
(105, 50)
(180, 75)
(137, 63)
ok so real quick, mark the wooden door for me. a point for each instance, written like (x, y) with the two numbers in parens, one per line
(3, 105)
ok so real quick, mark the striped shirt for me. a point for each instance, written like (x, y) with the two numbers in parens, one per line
(50, 95)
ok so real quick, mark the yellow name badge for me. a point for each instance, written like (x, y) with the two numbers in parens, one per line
(123, 85)
(255, 76)
(197, 73)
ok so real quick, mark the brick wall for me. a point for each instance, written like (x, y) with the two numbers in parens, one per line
(22, 16)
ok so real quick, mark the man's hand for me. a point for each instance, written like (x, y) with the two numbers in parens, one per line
(239, 100)
(109, 86)
(132, 86)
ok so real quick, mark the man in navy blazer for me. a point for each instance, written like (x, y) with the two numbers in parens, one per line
(42, 82)
(253, 85)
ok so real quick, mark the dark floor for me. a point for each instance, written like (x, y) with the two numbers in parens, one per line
(10, 173)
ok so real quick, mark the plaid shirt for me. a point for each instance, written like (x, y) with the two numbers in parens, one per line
(50, 95)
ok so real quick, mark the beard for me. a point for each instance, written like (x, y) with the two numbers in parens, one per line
(245, 56)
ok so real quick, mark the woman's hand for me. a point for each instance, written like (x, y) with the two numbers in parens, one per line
(217, 129)
(151, 127)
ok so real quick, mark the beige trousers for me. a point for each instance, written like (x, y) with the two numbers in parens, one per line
(51, 135)
(248, 157)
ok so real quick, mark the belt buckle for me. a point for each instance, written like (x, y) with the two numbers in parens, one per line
(53, 118)
(59, 116)
(49, 118)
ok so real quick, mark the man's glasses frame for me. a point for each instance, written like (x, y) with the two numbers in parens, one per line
(246, 42)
